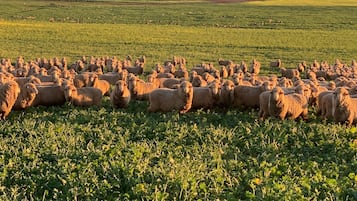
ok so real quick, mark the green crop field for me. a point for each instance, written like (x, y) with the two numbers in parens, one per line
(102, 153)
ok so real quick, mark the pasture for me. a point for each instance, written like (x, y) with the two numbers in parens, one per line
(102, 153)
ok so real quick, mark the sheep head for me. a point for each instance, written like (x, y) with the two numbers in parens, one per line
(277, 95)
(120, 86)
(341, 97)
(69, 92)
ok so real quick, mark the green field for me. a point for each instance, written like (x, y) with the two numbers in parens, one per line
(101, 153)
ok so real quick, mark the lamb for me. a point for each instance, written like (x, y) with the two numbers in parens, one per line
(248, 96)
(120, 96)
(140, 90)
(85, 96)
(26, 97)
(8, 95)
(102, 85)
(206, 97)
(287, 106)
(167, 100)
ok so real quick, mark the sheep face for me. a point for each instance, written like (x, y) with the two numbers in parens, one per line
(341, 96)
(215, 88)
(150, 78)
(228, 85)
(120, 87)
(277, 94)
(186, 87)
(69, 92)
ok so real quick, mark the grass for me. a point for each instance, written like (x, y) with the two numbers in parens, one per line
(101, 153)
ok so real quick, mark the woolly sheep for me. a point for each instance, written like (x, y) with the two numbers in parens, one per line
(227, 93)
(287, 106)
(120, 96)
(167, 100)
(289, 73)
(254, 67)
(206, 97)
(49, 96)
(276, 64)
(85, 96)
(248, 96)
(139, 90)
(27, 95)
(8, 95)
(344, 107)
(198, 81)
(102, 85)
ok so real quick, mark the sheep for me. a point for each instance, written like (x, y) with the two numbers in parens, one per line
(198, 81)
(248, 96)
(276, 64)
(21, 81)
(287, 106)
(344, 107)
(289, 73)
(167, 100)
(238, 79)
(82, 80)
(139, 90)
(301, 66)
(181, 72)
(27, 95)
(120, 96)
(165, 75)
(170, 82)
(206, 97)
(223, 62)
(227, 93)
(254, 67)
(136, 70)
(85, 96)
(325, 104)
(208, 77)
(264, 105)
(112, 78)
(102, 85)
(8, 95)
(223, 72)
(49, 96)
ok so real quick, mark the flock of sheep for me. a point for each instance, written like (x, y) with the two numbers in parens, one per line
(331, 89)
